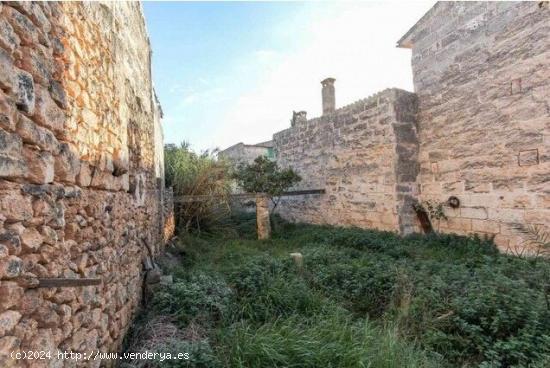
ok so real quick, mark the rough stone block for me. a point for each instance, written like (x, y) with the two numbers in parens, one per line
(24, 92)
(486, 226)
(457, 223)
(7, 112)
(31, 239)
(23, 26)
(8, 38)
(528, 157)
(58, 94)
(538, 216)
(15, 206)
(8, 321)
(36, 61)
(84, 177)
(7, 72)
(10, 267)
(48, 114)
(474, 212)
(40, 166)
(10, 239)
(8, 344)
(10, 144)
(67, 164)
(507, 215)
(32, 133)
(10, 294)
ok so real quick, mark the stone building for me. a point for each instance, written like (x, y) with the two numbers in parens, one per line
(477, 127)
(241, 153)
(81, 168)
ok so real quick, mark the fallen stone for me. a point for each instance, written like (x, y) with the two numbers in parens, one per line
(153, 276)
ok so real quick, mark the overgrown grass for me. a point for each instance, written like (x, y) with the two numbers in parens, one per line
(362, 299)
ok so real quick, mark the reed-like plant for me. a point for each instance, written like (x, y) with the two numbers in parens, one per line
(204, 181)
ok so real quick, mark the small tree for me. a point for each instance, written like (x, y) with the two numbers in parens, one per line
(265, 176)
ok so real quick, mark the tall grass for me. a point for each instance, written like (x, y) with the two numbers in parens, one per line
(192, 174)
(329, 339)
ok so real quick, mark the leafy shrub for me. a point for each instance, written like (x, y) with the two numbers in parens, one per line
(200, 297)
(365, 287)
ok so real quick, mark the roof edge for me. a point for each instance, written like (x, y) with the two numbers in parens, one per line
(405, 41)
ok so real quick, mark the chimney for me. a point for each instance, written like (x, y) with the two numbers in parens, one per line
(328, 93)
(297, 117)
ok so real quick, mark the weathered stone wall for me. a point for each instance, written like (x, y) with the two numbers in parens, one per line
(482, 76)
(241, 153)
(363, 154)
(80, 178)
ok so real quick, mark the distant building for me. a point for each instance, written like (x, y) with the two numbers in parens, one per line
(241, 153)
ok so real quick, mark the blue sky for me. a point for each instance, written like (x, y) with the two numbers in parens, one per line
(233, 72)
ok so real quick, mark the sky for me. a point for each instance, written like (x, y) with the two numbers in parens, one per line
(230, 72)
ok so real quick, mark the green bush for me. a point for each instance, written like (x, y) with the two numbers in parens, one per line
(200, 297)
(363, 287)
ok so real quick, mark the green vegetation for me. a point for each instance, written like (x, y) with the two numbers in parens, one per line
(192, 174)
(362, 299)
(265, 176)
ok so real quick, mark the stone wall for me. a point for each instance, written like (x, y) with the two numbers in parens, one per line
(482, 76)
(241, 153)
(363, 154)
(80, 178)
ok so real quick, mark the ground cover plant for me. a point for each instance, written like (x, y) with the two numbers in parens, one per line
(363, 298)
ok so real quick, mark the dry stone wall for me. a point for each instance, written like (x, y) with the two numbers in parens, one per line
(80, 174)
(363, 155)
(482, 76)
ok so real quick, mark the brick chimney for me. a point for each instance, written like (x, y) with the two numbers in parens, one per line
(328, 93)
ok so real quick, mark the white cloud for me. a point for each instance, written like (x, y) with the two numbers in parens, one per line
(353, 42)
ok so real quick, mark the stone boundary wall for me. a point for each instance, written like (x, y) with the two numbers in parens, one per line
(80, 192)
(363, 154)
(482, 76)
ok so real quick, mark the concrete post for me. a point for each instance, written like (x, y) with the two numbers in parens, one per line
(263, 224)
